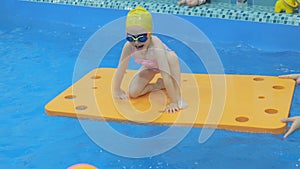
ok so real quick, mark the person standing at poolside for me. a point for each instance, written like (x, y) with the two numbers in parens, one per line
(154, 56)
(295, 120)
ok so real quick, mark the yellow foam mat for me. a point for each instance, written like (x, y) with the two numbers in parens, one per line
(246, 103)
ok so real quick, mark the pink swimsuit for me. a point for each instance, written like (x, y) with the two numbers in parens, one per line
(147, 63)
(150, 64)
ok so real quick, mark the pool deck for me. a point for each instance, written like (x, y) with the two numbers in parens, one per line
(222, 10)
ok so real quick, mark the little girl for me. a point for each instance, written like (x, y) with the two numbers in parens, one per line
(154, 56)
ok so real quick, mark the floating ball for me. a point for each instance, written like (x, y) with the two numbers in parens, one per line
(82, 166)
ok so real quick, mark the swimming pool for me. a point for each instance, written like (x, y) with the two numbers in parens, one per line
(39, 47)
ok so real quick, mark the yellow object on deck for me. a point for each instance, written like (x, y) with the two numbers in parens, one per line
(288, 6)
(246, 103)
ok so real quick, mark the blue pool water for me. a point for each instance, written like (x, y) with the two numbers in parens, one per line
(39, 46)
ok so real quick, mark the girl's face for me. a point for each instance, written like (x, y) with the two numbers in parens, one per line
(138, 37)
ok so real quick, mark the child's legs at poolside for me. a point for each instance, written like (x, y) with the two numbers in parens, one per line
(140, 84)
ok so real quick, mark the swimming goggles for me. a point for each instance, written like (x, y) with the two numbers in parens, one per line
(140, 38)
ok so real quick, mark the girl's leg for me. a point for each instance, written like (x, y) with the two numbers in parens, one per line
(140, 84)
(192, 3)
(181, 2)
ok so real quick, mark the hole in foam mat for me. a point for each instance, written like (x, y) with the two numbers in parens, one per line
(278, 87)
(96, 77)
(261, 97)
(242, 119)
(258, 79)
(271, 111)
(81, 107)
(95, 87)
(70, 97)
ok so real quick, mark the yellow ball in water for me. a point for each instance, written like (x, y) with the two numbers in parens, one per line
(82, 166)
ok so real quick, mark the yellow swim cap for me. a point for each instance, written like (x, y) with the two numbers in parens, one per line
(139, 17)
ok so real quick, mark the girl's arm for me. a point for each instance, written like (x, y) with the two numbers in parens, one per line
(166, 75)
(118, 77)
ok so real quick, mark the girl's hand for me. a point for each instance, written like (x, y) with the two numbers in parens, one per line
(295, 124)
(120, 94)
(172, 108)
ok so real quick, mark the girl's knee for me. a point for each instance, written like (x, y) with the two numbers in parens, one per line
(133, 93)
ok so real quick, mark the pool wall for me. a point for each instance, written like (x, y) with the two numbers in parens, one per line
(223, 10)
(39, 48)
(274, 37)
